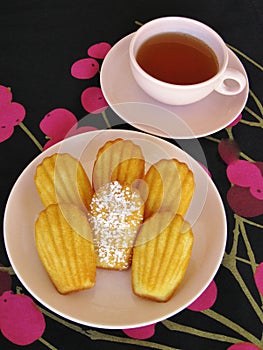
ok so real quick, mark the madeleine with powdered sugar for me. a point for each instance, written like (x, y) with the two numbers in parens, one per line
(116, 208)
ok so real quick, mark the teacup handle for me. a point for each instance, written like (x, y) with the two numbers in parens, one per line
(232, 83)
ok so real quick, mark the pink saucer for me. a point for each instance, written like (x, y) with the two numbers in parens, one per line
(135, 107)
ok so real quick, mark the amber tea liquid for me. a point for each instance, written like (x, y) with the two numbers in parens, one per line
(177, 58)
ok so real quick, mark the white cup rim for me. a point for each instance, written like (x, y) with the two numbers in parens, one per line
(171, 85)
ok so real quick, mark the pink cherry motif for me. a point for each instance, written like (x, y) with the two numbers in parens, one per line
(92, 98)
(243, 173)
(99, 50)
(85, 68)
(5, 281)
(256, 189)
(259, 277)
(245, 201)
(228, 150)
(21, 321)
(206, 170)
(243, 346)
(93, 101)
(5, 94)
(235, 121)
(245, 197)
(246, 174)
(206, 299)
(11, 114)
(59, 124)
(144, 332)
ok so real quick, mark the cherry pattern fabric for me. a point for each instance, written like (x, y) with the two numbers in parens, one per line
(22, 322)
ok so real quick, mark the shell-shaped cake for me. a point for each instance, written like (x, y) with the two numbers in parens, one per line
(61, 178)
(118, 160)
(161, 256)
(65, 247)
(115, 216)
(168, 185)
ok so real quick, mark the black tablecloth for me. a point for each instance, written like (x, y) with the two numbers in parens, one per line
(40, 41)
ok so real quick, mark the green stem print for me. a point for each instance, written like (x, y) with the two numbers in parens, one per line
(232, 325)
(8, 270)
(245, 56)
(230, 262)
(173, 326)
(31, 136)
(259, 119)
(106, 120)
(47, 344)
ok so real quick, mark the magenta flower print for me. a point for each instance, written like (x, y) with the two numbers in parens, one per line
(237, 173)
(206, 170)
(244, 346)
(5, 281)
(11, 113)
(228, 150)
(247, 200)
(21, 321)
(93, 101)
(245, 196)
(245, 174)
(235, 121)
(59, 124)
(99, 50)
(5, 94)
(92, 98)
(85, 68)
(144, 332)
(206, 299)
(259, 277)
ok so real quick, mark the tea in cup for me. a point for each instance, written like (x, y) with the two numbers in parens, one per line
(179, 61)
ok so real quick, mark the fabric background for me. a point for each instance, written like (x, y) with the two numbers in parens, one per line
(40, 40)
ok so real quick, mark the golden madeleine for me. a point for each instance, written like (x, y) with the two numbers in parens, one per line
(61, 178)
(118, 160)
(161, 256)
(167, 185)
(65, 247)
(116, 211)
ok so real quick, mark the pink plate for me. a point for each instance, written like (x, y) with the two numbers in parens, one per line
(111, 303)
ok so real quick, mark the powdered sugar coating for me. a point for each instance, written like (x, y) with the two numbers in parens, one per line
(116, 211)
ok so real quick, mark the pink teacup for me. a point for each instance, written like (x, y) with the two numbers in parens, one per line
(227, 81)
